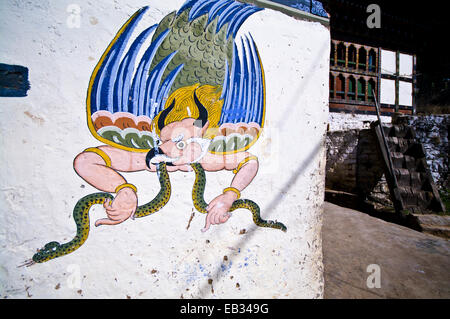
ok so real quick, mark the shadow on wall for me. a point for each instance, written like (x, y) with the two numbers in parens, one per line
(355, 176)
(276, 200)
(372, 184)
(432, 132)
(355, 167)
(341, 160)
(300, 91)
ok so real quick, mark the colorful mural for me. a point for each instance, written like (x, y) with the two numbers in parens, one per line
(182, 95)
(312, 6)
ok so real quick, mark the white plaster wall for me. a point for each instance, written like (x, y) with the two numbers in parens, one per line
(345, 121)
(157, 257)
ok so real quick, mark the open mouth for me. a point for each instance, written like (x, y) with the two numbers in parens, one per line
(163, 158)
(156, 156)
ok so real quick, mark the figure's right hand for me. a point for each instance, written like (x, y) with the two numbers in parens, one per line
(120, 208)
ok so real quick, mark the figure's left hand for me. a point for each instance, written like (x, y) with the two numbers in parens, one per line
(120, 209)
(218, 209)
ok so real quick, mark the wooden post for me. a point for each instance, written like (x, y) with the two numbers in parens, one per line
(346, 56)
(357, 58)
(397, 81)
(414, 85)
(335, 53)
(366, 90)
(367, 61)
(345, 87)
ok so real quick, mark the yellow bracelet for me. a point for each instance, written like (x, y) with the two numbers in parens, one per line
(235, 171)
(100, 153)
(126, 185)
(235, 190)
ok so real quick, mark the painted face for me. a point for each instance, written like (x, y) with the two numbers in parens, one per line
(181, 143)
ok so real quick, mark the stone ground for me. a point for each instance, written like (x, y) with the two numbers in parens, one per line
(412, 264)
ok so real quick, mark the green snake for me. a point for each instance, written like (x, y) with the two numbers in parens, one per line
(200, 204)
(81, 213)
(81, 216)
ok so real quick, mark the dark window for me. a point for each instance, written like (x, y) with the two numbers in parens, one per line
(340, 87)
(341, 54)
(352, 57)
(372, 61)
(362, 59)
(332, 54)
(351, 93)
(331, 86)
(370, 89)
(361, 89)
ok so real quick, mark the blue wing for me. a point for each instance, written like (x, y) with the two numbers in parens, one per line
(244, 88)
(120, 86)
(122, 83)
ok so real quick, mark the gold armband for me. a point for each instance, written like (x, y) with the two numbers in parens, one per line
(244, 161)
(100, 153)
(118, 188)
(233, 189)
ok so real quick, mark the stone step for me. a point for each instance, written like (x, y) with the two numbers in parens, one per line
(437, 225)
(440, 231)
(433, 219)
(412, 185)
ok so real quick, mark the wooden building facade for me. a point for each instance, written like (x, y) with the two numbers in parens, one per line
(368, 64)
(361, 74)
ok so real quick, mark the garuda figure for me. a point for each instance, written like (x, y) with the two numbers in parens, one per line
(180, 95)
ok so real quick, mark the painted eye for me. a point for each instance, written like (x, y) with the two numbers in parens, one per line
(158, 142)
(181, 145)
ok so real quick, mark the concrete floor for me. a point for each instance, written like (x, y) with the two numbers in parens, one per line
(412, 264)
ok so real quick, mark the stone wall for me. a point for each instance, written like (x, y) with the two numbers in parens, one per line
(348, 121)
(432, 132)
(370, 178)
(355, 166)
(341, 160)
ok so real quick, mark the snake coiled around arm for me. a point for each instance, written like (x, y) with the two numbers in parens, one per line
(81, 217)
(200, 204)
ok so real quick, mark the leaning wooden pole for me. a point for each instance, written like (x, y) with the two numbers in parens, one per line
(392, 179)
(386, 146)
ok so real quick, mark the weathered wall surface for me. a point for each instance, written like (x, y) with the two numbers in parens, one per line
(355, 166)
(432, 132)
(158, 256)
(346, 121)
(342, 148)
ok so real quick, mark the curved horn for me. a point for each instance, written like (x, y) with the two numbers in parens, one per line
(163, 115)
(202, 113)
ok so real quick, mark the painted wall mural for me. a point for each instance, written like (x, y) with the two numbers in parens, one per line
(312, 6)
(182, 95)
